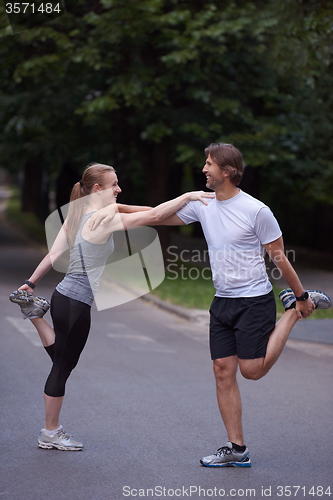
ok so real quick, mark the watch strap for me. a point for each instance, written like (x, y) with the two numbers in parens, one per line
(304, 296)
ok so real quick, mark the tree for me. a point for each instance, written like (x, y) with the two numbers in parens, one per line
(146, 84)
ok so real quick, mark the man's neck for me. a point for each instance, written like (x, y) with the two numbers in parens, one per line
(226, 192)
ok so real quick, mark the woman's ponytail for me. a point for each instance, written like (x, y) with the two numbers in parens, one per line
(93, 174)
(76, 204)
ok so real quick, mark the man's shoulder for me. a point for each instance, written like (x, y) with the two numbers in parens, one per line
(196, 211)
(250, 201)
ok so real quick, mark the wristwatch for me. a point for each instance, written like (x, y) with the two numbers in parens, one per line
(304, 296)
(30, 283)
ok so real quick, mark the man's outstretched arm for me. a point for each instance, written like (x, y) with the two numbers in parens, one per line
(275, 250)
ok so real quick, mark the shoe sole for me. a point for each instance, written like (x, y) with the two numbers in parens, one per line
(49, 446)
(228, 464)
(245, 463)
(22, 299)
(21, 302)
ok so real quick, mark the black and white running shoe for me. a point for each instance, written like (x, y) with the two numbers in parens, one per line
(226, 456)
(320, 299)
(31, 306)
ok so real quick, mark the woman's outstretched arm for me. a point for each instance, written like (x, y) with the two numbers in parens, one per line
(130, 209)
(59, 246)
(108, 220)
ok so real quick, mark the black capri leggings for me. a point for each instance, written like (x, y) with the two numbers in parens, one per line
(71, 322)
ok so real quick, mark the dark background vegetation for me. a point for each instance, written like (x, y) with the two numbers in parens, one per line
(146, 85)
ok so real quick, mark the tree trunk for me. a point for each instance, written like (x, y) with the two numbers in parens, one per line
(33, 198)
(157, 165)
(67, 177)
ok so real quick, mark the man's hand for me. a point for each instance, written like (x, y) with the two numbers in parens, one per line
(304, 308)
(103, 216)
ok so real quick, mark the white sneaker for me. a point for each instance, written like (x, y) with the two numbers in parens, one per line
(226, 456)
(59, 440)
(31, 306)
(320, 299)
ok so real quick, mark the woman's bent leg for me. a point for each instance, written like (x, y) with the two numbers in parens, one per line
(45, 331)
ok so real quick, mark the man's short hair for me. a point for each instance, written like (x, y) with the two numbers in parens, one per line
(228, 158)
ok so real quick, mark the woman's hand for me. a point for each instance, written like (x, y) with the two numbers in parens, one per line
(27, 288)
(102, 216)
(200, 196)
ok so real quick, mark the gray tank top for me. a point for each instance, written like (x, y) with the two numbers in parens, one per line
(86, 264)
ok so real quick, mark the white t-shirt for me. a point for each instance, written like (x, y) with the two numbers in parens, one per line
(235, 231)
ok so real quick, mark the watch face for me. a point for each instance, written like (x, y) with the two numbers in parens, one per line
(304, 296)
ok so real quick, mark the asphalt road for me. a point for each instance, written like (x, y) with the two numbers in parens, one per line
(142, 400)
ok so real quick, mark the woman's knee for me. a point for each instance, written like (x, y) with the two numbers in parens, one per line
(56, 381)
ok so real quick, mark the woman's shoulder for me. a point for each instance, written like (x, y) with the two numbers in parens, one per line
(100, 234)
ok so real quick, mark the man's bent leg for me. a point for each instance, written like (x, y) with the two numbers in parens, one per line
(254, 369)
(228, 397)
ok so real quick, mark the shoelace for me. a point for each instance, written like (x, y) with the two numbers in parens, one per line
(224, 450)
(62, 434)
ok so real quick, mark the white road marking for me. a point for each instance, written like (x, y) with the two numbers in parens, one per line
(27, 329)
(199, 333)
(194, 332)
(141, 342)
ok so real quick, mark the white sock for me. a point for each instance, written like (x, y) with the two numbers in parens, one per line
(50, 433)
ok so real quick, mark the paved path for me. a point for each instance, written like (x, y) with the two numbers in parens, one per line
(142, 400)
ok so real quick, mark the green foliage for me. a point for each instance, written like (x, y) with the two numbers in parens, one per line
(147, 84)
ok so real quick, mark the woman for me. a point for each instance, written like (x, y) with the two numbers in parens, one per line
(71, 301)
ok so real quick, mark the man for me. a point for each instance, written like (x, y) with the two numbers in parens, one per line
(238, 229)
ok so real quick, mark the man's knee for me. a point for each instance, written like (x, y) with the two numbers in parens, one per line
(252, 369)
(252, 374)
(225, 368)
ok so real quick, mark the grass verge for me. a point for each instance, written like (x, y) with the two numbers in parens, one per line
(192, 288)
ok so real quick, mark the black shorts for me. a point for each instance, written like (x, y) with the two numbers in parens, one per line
(241, 326)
